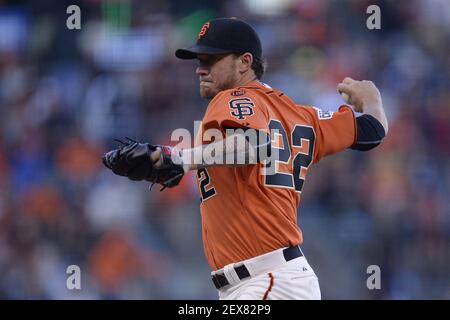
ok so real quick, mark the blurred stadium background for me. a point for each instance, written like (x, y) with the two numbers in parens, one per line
(65, 94)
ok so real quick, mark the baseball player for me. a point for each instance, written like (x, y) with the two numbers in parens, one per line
(249, 216)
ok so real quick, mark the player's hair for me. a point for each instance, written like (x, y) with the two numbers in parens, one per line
(259, 67)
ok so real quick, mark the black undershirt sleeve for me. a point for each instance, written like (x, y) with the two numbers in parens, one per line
(370, 133)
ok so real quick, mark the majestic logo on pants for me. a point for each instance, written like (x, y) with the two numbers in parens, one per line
(242, 108)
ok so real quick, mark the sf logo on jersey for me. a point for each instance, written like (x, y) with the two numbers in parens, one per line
(241, 108)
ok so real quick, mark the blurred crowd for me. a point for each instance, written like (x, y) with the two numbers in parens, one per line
(66, 94)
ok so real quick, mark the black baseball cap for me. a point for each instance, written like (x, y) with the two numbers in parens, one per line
(224, 35)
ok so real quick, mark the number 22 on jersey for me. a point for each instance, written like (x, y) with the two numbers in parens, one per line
(303, 138)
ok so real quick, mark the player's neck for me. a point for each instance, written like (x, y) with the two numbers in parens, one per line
(245, 79)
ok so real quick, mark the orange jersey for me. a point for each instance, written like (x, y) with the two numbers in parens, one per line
(246, 213)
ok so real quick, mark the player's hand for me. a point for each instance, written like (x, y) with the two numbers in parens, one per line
(361, 94)
(168, 166)
(156, 158)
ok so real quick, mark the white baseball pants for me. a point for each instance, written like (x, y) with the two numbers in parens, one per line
(271, 278)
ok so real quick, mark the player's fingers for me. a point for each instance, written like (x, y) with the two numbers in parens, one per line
(156, 157)
(344, 88)
(348, 80)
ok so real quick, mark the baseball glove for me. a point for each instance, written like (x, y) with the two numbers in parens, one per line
(133, 160)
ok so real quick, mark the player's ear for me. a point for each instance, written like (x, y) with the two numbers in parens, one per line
(245, 62)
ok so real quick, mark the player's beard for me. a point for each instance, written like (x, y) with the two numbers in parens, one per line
(210, 89)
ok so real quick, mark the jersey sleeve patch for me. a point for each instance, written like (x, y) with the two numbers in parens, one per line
(322, 114)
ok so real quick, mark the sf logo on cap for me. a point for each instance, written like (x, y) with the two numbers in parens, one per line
(242, 108)
(203, 30)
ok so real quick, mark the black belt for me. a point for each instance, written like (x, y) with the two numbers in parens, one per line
(221, 281)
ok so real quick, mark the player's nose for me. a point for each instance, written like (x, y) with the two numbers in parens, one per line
(201, 71)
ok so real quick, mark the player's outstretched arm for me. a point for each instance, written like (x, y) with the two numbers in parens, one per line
(365, 97)
(249, 147)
